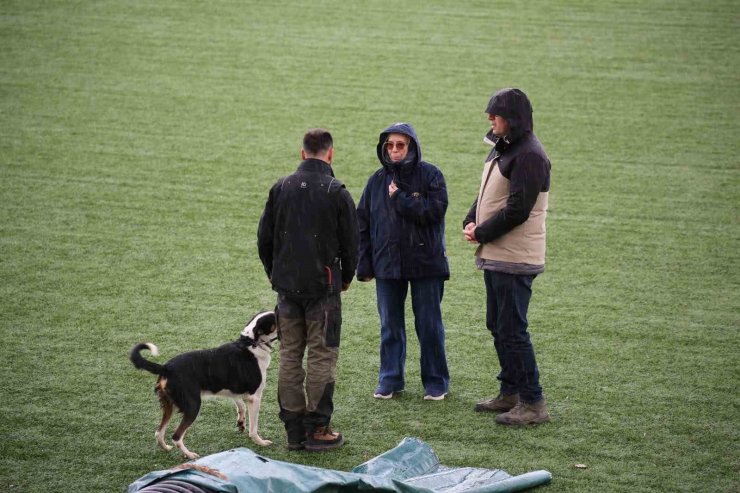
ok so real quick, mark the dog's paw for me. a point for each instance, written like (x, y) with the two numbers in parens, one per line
(241, 426)
(162, 444)
(261, 441)
(185, 451)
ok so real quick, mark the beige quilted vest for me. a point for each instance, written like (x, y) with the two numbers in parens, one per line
(525, 244)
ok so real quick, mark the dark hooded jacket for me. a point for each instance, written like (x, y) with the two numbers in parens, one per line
(522, 161)
(403, 236)
(307, 236)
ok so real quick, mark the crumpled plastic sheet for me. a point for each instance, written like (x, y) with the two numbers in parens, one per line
(410, 467)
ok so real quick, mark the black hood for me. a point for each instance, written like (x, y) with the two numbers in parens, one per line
(514, 106)
(413, 156)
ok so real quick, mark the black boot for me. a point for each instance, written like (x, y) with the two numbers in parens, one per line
(296, 434)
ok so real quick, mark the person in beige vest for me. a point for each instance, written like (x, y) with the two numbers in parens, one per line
(507, 222)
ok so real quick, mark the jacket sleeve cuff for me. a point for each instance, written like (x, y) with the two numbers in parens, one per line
(364, 269)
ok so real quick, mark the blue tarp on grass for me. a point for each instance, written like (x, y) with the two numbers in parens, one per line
(410, 467)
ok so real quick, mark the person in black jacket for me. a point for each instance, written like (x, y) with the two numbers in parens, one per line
(307, 241)
(507, 222)
(402, 242)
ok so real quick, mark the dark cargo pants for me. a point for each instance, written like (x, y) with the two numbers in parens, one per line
(306, 396)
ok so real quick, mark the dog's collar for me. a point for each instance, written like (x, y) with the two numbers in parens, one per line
(259, 343)
(268, 343)
(248, 341)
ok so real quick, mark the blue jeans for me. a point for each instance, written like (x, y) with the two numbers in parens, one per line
(426, 301)
(506, 317)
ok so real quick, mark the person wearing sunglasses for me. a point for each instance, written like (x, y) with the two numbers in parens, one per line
(401, 216)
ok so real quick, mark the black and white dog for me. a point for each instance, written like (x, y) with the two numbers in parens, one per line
(237, 370)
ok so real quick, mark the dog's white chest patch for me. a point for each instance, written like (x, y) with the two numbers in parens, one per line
(221, 393)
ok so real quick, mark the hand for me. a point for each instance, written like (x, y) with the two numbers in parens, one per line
(392, 188)
(345, 286)
(469, 233)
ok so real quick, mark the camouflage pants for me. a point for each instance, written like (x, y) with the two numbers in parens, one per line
(306, 396)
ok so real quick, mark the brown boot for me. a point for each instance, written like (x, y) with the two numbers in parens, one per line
(323, 439)
(499, 404)
(525, 414)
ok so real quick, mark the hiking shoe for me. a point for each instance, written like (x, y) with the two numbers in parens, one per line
(323, 438)
(435, 397)
(382, 393)
(525, 414)
(499, 404)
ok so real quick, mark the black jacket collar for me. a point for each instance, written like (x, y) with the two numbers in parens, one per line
(313, 165)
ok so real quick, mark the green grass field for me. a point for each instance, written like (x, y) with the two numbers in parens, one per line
(138, 141)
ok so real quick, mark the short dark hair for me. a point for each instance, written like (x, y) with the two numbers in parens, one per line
(317, 141)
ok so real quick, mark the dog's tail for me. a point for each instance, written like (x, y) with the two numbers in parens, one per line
(143, 364)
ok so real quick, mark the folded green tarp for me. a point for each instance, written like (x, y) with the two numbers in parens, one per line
(410, 467)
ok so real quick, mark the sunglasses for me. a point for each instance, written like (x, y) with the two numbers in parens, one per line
(397, 145)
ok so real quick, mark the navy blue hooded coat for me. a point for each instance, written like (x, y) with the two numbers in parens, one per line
(403, 236)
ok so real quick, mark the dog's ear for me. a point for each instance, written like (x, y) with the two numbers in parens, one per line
(266, 323)
(271, 323)
(277, 322)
